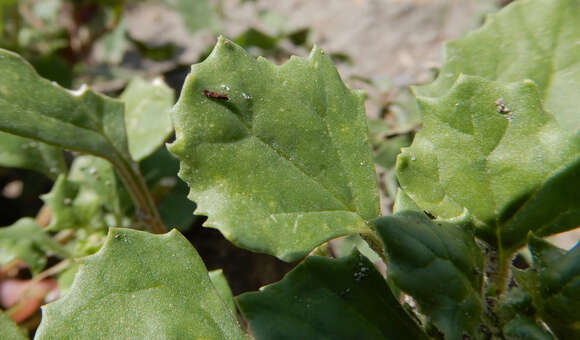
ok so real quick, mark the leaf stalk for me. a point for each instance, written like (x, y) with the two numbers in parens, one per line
(145, 205)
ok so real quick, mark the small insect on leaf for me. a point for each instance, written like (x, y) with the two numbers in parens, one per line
(430, 215)
(501, 107)
(215, 95)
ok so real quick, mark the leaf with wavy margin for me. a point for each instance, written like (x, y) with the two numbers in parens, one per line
(140, 286)
(529, 39)
(512, 171)
(276, 156)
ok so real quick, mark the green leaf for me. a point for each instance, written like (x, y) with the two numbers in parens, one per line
(501, 167)
(219, 281)
(440, 265)
(80, 120)
(554, 283)
(518, 317)
(404, 202)
(66, 278)
(160, 171)
(147, 118)
(18, 152)
(535, 40)
(522, 328)
(114, 44)
(90, 197)
(140, 286)
(346, 298)
(346, 246)
(196, 15)
(27, 241)
(283, 165)
(10, 329)
(256, 38)
(387, 151)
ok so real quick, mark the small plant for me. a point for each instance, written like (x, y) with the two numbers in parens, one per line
(278, 159)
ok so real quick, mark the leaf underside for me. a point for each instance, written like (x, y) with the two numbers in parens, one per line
(276, 156)
(140, 286)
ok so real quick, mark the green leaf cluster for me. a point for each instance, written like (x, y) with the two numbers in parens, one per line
(279, 160)
(554, 285)
(25, 240)
(501, 98)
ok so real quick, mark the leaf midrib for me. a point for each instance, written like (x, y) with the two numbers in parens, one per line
(250, 134)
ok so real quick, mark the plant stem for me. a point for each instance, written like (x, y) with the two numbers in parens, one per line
(498, 271)
(375, 244)
(144, 203)
(57, 268)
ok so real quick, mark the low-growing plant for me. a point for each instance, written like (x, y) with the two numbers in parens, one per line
(278, 159)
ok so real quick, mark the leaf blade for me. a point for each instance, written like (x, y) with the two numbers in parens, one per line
(10, 329)
(345, 298)
(27, 241)
(541, 45)
(283, 146)
(80, 120)
(144, 297)
(18, 152)
(445, 255)
(147, 118)
(510, 160)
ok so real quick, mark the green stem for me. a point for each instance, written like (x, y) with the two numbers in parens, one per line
(375, 244)
(498, 271)
(144, 203)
